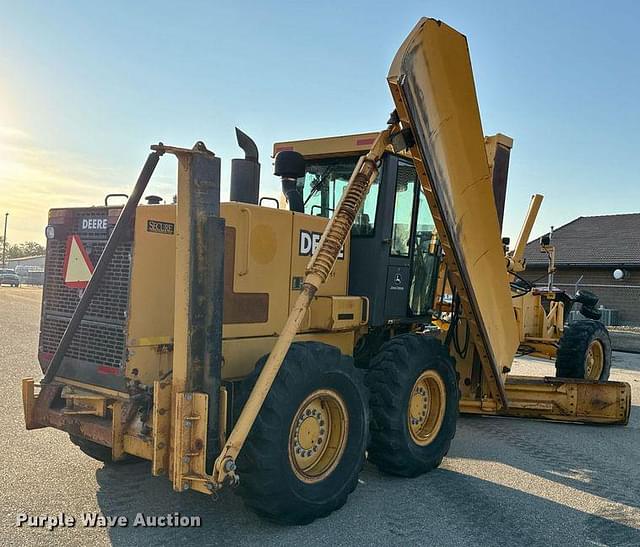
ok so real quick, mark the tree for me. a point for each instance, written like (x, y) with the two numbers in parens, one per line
(20, 250)
(28, 248)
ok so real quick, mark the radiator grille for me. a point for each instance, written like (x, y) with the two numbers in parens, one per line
(100, 339)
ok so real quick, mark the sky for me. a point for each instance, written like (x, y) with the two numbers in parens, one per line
(85, 88)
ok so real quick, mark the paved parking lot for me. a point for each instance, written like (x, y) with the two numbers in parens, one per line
(505, 482)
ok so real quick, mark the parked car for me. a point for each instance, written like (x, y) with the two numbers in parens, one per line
(9, 277)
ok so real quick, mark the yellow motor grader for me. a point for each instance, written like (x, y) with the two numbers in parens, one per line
(276, 348)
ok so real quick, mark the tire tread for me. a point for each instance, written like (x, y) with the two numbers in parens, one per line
(573, 347)
(392, 371)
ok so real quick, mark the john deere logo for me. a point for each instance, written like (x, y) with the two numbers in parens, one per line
(398, 283)
(309, 243)
(94, 224)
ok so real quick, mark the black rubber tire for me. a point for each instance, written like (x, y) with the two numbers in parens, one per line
(590, 313)
(573, 346)
(100, 452)
(268, 483)
(368, 346)
(390, 379)
(586, 298)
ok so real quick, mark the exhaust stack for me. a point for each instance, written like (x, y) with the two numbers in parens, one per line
(245, 173)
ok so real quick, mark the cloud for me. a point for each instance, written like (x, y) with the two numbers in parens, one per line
(34, 179)
(12, 133)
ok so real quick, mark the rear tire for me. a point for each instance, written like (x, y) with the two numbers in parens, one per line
(584, 351)
(307, 446)
(586, 298)
(414, 405)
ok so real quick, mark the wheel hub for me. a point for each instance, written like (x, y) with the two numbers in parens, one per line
(594, 361)
(309, 432)
(318, 435)
(426, 408)
(420, 405)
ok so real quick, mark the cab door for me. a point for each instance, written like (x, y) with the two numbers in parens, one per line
(394, 258)
(398, 281)
(414, 252)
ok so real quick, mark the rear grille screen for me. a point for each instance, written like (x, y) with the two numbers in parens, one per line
(100, 339)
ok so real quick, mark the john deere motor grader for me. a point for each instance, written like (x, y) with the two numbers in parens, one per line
(394, 228)
(217, 340)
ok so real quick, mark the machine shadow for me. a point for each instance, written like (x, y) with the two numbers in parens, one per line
(590, 458)
(382, 511)
(625, 361)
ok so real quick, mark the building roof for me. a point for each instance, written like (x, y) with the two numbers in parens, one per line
(605, 240)
(22, 258)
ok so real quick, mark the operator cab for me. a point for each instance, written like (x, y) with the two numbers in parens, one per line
(394, 246)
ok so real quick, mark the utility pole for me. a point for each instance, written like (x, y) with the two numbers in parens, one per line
(4, 241)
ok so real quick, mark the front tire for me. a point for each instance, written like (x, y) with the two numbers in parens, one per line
(584, 351)
(307, 446)
(414, 405)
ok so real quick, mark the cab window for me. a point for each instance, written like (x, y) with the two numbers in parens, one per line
(403, 208)
(425, 260)
(323, 185)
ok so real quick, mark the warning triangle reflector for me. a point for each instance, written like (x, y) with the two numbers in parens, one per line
(77, 268)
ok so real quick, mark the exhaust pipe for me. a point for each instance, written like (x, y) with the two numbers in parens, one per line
(245, 173)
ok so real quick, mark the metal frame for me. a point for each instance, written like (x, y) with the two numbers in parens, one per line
(197, 354)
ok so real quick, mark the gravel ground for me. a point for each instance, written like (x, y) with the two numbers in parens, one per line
(620, 328)
(505, 482)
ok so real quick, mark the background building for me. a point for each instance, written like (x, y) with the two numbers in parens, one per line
(29, 268)
(599, 253)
